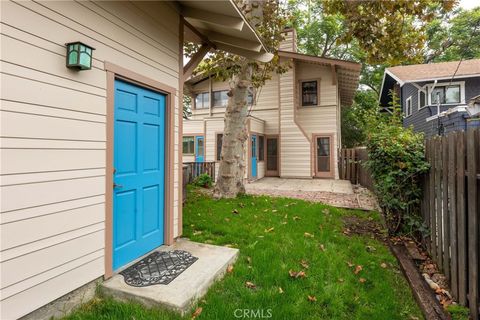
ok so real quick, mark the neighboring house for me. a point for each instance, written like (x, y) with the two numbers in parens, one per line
(90, 162)
(419, 86)
(294, 119)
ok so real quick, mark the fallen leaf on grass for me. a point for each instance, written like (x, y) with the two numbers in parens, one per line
(294, 274)
(308, 235)
(350, 264)
(304, 264)
(249, 260)
(322, 247)
(362, 280)
(358, 269)
(296, 218)
(242, 205)
(326, 211)
(341, 280)
(269, 230)
(371, 249)
(196, 233)
(383, 265)
(280, 290)
(274, 211)
(230, 269)
(197, 312)
(227, 219)
(250, 285)
(266, 210)
(284, 222)
(312, 299)
(346, 231)
(286, 216)
(235, 211)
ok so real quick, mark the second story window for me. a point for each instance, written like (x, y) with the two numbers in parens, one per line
(250, 97)
(309, 93)
(218, 150)
(445, 94)
(408, 107)
(202, 101)
(220, 98)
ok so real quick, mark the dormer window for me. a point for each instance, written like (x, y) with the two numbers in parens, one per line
(309, 92)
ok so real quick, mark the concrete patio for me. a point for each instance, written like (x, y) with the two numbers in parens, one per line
(337, 193)
(317, 185)
(182, 293)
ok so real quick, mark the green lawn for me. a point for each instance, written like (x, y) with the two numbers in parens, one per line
(276, 235)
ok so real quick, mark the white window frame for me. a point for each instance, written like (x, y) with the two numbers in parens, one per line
(424, 90)
(409, 100)
(430, 86)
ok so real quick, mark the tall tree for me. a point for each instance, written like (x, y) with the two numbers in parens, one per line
(269, 19)
(389, 32)
(454, 37)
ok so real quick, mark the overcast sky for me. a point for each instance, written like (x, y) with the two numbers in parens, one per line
(469, 4)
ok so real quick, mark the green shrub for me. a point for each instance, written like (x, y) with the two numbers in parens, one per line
(458, 312)
(204, 180)
(397, 163)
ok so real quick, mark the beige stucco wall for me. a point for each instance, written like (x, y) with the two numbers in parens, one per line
(53, 129)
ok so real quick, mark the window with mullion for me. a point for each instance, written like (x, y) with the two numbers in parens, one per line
(309, 93)
(202, 100)
(188, 145)
(220, 98)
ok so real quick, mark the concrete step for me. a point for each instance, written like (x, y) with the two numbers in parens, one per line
(184, 291)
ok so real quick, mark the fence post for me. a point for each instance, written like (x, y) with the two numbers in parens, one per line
(462, 221)
(473, 245)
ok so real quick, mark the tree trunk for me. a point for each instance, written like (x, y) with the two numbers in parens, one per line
(230, 181)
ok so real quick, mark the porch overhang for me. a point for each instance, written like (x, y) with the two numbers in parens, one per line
(221, 25)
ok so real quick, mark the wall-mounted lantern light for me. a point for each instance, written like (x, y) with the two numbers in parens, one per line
(79, 56)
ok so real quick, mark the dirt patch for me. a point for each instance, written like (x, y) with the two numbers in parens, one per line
(354, 225)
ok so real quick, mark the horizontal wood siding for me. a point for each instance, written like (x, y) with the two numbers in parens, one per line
(53, 136)
(321, 120)
(294, 145)
(193, 126)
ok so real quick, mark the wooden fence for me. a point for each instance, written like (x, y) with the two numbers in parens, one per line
(451, 209)
(351, 167)
(191, 170)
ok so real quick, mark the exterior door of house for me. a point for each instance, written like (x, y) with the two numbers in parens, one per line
(139, 172)
(254, 157)
(199, 149)
(272, 157)
(323, 157)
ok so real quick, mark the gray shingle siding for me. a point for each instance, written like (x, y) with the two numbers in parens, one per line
(455, 121)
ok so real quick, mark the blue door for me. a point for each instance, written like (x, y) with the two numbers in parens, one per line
(254, 156)
(139, 172)
(199, 149)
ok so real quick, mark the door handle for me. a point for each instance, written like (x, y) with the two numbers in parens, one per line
(117, 185)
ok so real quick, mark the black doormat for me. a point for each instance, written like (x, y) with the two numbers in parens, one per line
(158, 268)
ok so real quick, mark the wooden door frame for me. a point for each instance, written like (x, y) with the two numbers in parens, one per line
(114, 72)
(316, 174)
(277, 172)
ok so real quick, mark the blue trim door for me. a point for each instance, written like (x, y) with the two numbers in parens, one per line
(199, 149)
(139, 172)
(254, 156)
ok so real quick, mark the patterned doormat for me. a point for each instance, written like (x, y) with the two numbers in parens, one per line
(158, 268)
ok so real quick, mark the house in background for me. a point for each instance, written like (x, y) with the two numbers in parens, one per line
(432, 102)
(293, 122)
(90, 162)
